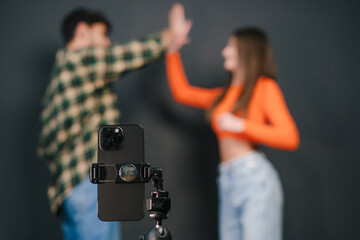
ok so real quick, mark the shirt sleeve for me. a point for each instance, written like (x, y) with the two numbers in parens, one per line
(180, 88)
(280, 131)
(109, 63)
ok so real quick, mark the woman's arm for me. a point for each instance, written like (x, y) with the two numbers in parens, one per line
(180, 88)
(280, 131)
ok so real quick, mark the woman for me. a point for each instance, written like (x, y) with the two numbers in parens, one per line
(248, 111)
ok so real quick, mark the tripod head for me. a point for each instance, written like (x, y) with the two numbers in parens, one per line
(158, 204)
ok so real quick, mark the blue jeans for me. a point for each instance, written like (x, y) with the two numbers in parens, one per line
(250, 199)
(79, 216)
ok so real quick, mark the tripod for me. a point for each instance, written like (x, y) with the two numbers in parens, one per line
(158, 204)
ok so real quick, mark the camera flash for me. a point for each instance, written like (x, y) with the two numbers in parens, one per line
(117, 130)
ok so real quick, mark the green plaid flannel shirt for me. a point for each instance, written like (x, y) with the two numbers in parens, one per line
(78, 100)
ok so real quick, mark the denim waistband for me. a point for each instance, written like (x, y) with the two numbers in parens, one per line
(248, 160)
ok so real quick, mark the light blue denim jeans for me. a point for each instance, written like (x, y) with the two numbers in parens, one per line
(79, 216)
(250, 199)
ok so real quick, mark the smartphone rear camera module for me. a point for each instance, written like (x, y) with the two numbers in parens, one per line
(111, 138)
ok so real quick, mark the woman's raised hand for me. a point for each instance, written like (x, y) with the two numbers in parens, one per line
(179, 28)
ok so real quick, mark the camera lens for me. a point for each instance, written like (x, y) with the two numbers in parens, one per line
(118, 137)
(106, 144)
(106, 132)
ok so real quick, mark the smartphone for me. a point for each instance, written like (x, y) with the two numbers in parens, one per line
(118, 201)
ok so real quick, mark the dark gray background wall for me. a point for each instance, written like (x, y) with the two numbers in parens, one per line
(316, 44)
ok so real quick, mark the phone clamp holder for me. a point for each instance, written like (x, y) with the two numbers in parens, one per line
(158, 204)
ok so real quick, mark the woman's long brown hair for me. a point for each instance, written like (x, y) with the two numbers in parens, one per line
(256, 56)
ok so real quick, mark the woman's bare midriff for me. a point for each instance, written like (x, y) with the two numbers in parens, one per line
(231, 148)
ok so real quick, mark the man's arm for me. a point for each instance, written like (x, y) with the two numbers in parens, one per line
(109, 63)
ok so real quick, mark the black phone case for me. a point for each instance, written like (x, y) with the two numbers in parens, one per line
(122, 202)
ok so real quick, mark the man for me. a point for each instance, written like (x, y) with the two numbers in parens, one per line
(79, 99)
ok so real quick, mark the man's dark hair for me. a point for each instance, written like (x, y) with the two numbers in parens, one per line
(81, 15)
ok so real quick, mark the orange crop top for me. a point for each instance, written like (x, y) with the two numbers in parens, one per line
(268, 119)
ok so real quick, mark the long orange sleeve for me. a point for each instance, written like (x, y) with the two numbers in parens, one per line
(180, 88)
(279, 129)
